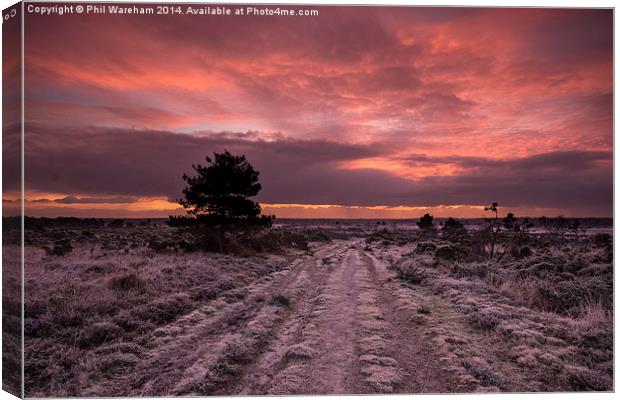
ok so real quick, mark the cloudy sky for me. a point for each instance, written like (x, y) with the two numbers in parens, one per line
(356, 112)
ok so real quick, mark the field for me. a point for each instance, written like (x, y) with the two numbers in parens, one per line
(138, 308)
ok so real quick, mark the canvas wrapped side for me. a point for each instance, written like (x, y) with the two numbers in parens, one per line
(12, 211)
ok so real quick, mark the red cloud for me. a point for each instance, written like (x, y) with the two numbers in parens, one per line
(494, 84)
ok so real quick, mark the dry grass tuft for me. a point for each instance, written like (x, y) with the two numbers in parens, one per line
(299, 352)
(593, 314)
(127, 282)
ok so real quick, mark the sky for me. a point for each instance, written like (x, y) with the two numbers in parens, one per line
(359, 112)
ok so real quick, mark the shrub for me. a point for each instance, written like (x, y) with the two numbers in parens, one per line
(410, 270)
(425, 248)
(467, 270)
(486, 319)
(450, 252)
(426, 222)
(381, 235)
(243, 242)
(566, 297)
(582, 379)
(235, 353)
(61, 247)
(127, 282)
(482, 373)
(453, 230)
(299, 352)
(555, 228)
(279, 301)
(275, 241)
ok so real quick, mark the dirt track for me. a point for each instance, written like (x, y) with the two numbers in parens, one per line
(344, 331)
(334, 319)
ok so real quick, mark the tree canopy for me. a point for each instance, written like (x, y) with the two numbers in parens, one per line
(219, 193)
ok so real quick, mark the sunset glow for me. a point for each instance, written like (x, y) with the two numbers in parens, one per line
(361, 112)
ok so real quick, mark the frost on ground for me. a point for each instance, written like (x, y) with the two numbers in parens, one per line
(542, 322)
(146, 310)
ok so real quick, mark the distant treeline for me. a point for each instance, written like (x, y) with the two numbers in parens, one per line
(74, 222)
(588, 222)
(34, 223)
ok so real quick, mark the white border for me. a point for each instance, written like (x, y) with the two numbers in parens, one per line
(475, 3)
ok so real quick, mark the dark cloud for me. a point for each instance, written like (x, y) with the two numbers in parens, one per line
(571, 35)
(568, 180)
(101, 162)
(88, 200)
(558, 160)
(106, 161)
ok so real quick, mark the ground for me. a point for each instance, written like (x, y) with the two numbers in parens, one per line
(343, 315)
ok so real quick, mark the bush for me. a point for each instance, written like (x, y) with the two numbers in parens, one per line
(468, 270)
(425, 222)
(582, 379)
(61, 247)
(410, 270)
(567, 296)
(486, 319)
(279, 301)
(242, 242)
(453, 230)
(382, 235)
(275, 241)
(128, 282)
(299, 352)
(482, 373)
(450, 252)
(425, 248)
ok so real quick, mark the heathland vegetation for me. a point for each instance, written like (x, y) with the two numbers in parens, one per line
(201, 304)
